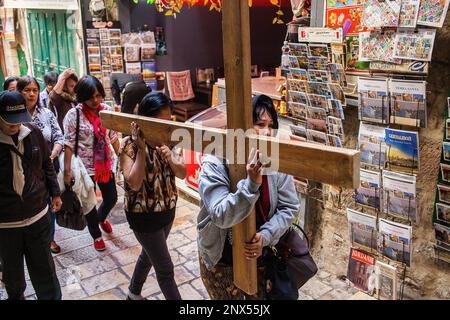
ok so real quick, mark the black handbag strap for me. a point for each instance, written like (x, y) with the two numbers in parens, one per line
(308, 244)
(77, 132)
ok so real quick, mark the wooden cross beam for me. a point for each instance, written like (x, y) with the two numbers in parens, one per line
(330, 165)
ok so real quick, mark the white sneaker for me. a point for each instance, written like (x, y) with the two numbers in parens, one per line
(132, 296)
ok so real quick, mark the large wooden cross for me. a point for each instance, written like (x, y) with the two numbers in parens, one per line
(325, 164)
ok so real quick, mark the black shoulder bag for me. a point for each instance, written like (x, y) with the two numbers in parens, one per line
(71, 214)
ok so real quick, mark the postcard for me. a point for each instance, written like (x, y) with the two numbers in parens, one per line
(399, 195)
(377, 46)
(116, 50)
(335, 108)
(92, 42)
(317, 63)
(115, 33)
(298, 110)
(319, 88)
(293, 62)
(132, 53)
(378, 14)
(298, 49)
(317, 137)
(408, 13)
(337, 74)
(446, 150)
(408, 103)
(337, 93)
(148, 52)
(299, 97)
(316, 124)
(373, 100)
(104, 34)
(95, 68)
(93, 51)
(444, 193)
(442, 234)
(94, 59)
(402, 151)
(299, 131)
(299, 74)
(371, 143)
(318, 50)
(362, 229)
(334, 141)
(369, 193)
(297, 138)
(317, 101)
(92, 33)
(386, 281)
(433, 12)
(394, 241)
(318, 76)
(445, 172)
(335, 126)
(297, 85)
(443, 212)
(133, 67)
(414, 46)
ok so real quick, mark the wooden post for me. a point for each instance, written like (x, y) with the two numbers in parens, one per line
(237, 60)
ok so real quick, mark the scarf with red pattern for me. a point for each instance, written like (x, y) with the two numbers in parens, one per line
(102, 156)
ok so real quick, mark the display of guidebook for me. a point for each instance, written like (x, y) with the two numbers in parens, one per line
(337, 74)
(361, 270)
(408, 103)
(378, 14)
(442, 235)
(386, 281)
(373, 100)
(362, 229)
(408, 13)
(433, 12)
(399, 195)
(394, 241)
(402, 151)
(372, 144)
(443, 213)
(411, 45)
(377, 46)
(369, 193)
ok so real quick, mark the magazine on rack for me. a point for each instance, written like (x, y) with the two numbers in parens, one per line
(362, 229)
(442, 235)
(373, 100)
(402, 151)
(386, 281)
(408, 103)
(361, 270)
(369, 191)
(394, 241)
(372, 144)
(399, 195)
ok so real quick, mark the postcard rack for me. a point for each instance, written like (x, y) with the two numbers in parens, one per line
(439, 257)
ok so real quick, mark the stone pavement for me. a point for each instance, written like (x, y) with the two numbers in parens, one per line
(85, 273)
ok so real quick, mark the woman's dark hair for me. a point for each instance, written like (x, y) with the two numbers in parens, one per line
(50, 78)
(8, 82)
(86, 88)
(152, 103)
(26, 81)
(262, 103)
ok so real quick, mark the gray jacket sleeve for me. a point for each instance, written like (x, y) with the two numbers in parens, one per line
(226, 209)
(285, 212)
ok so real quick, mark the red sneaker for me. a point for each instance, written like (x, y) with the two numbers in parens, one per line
(106, 227)
(99, 245)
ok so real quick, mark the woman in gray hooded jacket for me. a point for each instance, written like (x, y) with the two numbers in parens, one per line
(273, 196)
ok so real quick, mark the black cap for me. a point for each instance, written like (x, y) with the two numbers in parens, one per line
(13, 109)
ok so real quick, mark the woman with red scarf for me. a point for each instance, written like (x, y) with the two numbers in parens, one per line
(82, 124)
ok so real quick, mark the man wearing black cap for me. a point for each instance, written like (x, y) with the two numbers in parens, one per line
(27, 180)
